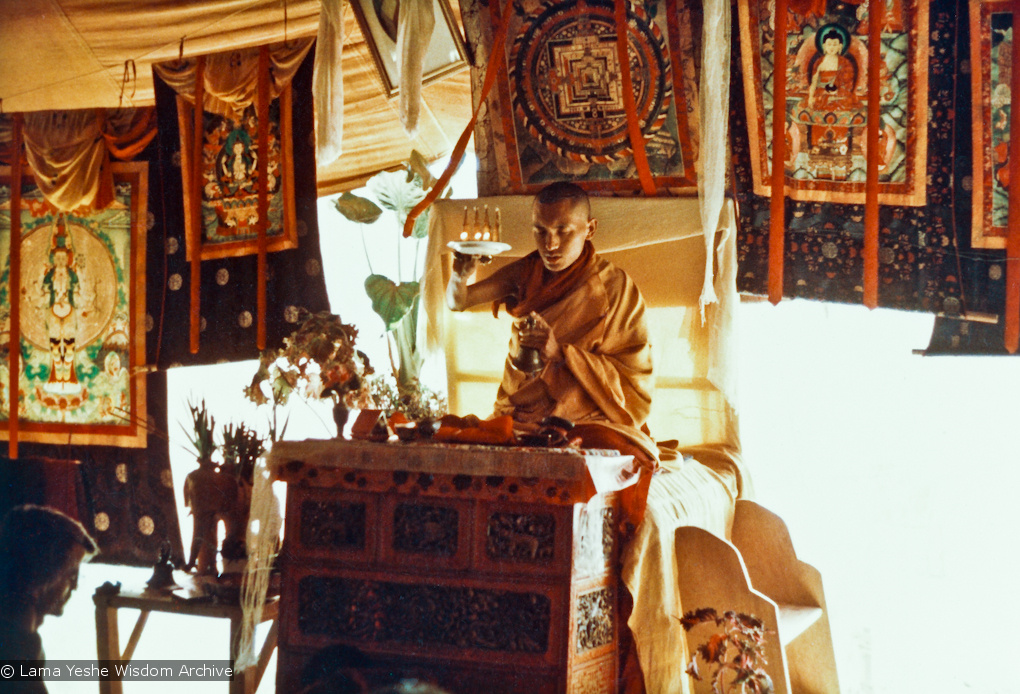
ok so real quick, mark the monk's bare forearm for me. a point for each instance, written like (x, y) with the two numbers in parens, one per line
(457, 293)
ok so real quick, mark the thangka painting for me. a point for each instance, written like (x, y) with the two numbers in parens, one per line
(826, 106)
(82, 322)
(230, 180)
(562, 99)
(991, 45)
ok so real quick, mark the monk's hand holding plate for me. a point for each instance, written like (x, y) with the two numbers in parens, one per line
(537, 334)
(464, 265)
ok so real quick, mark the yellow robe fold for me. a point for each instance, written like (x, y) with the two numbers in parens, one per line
(606, 373)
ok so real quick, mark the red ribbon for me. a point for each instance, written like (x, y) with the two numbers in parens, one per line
(1012, 332)
(496, 60)
(195, 240)
(876, 15)
(637, 138)
(262, 112)
(14, 290)
(777, 221)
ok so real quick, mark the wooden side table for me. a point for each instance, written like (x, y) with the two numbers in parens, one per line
(108, 634)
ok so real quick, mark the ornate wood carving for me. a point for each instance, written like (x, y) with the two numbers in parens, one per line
(597, 540)
(425, 529)
(521, 536)
(595, 616)
(596, 679)
(424, 615)
(332, 524)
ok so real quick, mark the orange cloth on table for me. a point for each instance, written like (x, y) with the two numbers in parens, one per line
(604, 381)
(497, 431)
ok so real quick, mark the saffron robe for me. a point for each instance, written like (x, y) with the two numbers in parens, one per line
(605, 377)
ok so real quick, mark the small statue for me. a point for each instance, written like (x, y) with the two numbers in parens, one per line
(212, 496)
(162, 570)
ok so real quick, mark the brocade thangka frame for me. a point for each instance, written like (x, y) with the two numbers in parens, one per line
(82, 325)
(560, 111)
(827, 101)
(229, 195)
(990, 58)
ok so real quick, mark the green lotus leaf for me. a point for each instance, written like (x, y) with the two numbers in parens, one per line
(390, 300)
(357, 208)
(421, 226)
(395, 192)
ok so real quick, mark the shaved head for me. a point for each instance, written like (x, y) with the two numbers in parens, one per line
(563, 191)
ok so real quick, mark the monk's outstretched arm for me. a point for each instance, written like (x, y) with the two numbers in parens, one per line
(460, 295)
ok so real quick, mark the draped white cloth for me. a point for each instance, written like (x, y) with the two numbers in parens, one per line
(328, 83)
(713, 103)
(415, 23)
(68, 152)
(231, 78)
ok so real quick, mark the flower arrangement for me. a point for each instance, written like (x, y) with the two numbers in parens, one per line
(738, 649)
(318, 360)
(416, 404)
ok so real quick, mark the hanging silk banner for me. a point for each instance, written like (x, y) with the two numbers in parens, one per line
(991, 40)
(826, 104)
(564, 109)
(230, 179)
(82, 315)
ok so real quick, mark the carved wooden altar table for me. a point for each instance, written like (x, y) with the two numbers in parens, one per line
(481, 569)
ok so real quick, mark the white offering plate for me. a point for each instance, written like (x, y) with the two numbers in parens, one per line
(489, 248)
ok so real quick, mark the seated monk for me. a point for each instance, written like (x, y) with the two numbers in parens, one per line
(586, 318)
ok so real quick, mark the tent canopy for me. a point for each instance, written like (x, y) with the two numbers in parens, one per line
(79, 54)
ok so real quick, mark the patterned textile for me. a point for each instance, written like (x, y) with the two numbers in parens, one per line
(81, 322)
(562, 104)
(991, 26)
(228, 292)
(123, 496)
(926, 262)
(826, 100)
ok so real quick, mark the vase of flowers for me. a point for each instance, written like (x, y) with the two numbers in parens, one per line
(319, 360)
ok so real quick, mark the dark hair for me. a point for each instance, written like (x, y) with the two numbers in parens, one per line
(833, 34)
(564, 190)
(35, 545)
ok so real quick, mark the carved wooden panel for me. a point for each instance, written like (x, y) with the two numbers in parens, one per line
(521, 536)
(595, 546)
(332, 525)
(425, 532)
(482, 582)
(324, 526)
(425, 529)
(425, 616)
(515, 538)
(595, 619)
(597, 679)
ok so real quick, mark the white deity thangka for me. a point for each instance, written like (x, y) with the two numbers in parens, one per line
(64, 294)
